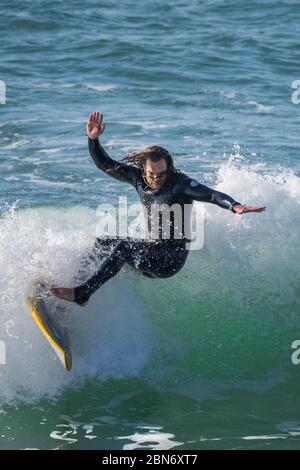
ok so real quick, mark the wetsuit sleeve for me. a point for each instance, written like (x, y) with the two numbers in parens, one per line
(199, 192)
(120, 171)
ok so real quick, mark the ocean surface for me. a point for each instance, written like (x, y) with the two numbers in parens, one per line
(202, 360)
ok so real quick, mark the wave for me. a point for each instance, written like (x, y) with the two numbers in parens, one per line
(227, 320)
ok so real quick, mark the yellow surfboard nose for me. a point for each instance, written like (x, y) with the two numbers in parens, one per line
(56, 335)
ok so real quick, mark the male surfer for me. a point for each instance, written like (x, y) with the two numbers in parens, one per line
(153, 174)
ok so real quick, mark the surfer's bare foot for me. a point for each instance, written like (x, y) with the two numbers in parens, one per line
(242, 208)
(65, 293)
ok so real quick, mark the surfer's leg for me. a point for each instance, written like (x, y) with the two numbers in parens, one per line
(89, 262)
(157, 260)
(109, 268)
(153, 260)
(90, 258)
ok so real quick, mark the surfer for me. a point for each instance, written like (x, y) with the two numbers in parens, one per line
(153, 174)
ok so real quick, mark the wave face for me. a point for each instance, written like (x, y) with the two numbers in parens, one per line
(228, 319)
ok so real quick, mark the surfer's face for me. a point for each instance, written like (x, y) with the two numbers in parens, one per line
(156, 173)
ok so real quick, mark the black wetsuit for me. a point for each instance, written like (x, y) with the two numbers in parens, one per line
(164, 256)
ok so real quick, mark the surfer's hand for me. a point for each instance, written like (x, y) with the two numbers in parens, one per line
(66, 293)
(242, 208)
(95, 125)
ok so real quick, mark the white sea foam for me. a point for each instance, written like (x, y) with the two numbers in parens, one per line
(111, 337)
(100, 88)
(260, 108)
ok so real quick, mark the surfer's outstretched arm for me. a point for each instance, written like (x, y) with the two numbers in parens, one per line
(199, 192)
(102, 160)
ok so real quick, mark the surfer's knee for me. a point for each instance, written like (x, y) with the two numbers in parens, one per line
(169, 271)
(165, 274)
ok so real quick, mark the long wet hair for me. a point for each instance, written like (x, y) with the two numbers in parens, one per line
(153, 153)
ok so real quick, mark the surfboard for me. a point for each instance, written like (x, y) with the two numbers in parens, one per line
(55, 333)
